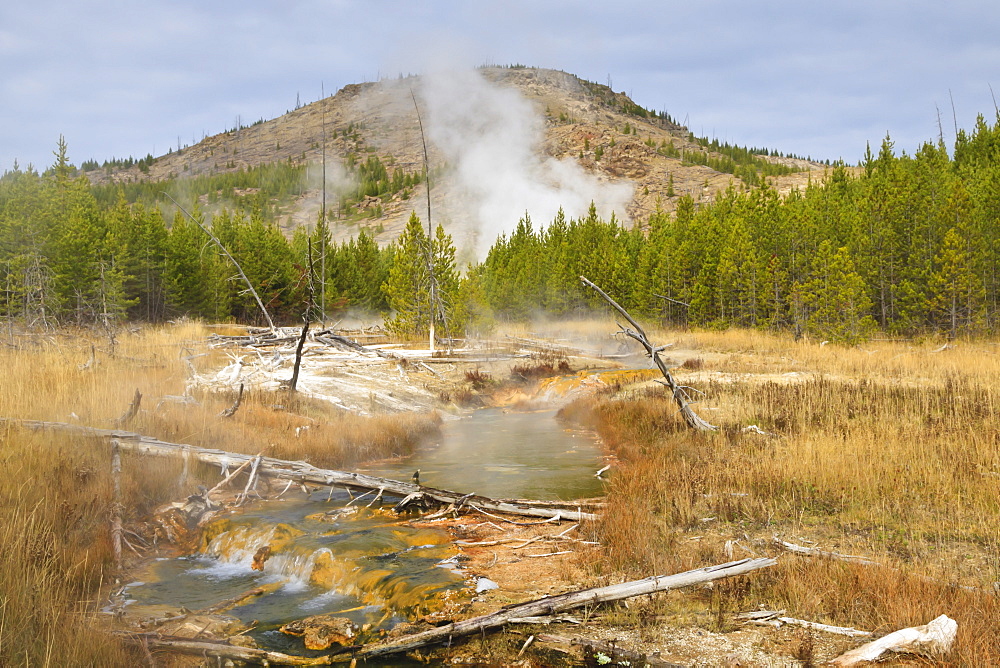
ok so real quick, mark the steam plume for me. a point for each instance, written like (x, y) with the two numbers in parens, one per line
(491, 138)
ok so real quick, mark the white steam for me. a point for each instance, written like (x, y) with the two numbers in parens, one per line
(491, 139)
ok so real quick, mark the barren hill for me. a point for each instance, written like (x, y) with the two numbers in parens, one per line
(501, 142)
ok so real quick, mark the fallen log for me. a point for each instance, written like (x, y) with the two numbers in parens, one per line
(304, 473)
(933, 640)
(556, 604)
(774, 618)
(823, 554)
(221, 649)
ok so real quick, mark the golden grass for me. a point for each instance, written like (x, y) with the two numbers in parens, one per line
(892, 452)
(56, 498)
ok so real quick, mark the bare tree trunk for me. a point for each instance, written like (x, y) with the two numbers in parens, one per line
(305, 322)
(679, 392)
(116, 504)
(260, 303)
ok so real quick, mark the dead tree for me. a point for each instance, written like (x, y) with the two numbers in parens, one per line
(260, 303)
(678, 391)
(306, 317)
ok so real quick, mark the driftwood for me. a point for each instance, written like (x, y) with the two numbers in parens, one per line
(933, 639)
(679, 392)
(571, 601)
(221, 649)
(776, 619)
(307, 474)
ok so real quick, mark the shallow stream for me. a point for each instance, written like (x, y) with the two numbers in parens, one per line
(366, 563)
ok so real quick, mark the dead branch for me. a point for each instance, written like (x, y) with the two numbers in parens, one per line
(298, 354)
(864, 561)
(815, 552)
(306, 317)
(242, 599)
(231, 411)
(556, 604)
(678, 392)
(774, 618)
(304, 473)
(260, 303)
(225, 481)
(132, 410)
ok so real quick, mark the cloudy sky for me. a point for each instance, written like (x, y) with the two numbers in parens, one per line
(811, 78)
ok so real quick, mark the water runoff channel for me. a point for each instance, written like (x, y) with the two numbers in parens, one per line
(368, 564)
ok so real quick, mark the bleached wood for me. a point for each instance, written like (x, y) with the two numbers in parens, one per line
(933, 639)
(815, 552)
(777, 622)
(564, 602)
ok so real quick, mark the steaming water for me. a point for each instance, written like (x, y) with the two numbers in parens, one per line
(367, 565)
(527, 455)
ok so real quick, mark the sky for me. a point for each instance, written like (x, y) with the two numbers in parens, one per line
(817, 79)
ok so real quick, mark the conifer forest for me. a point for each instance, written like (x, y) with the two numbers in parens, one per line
(899, 245)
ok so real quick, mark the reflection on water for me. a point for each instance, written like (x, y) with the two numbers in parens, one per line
(528, 455)
(368, 565)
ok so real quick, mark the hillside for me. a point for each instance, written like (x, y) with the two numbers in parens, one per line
(644, 157)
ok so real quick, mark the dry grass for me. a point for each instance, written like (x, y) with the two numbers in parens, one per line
(892, 452)
(55, 503)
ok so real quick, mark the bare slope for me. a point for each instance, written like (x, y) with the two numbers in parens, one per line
(576, 128)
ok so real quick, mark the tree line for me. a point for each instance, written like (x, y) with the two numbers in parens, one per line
(900, 244)
(71, 255)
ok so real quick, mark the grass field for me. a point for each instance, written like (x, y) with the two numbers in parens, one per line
(55, 502)
(891, 452)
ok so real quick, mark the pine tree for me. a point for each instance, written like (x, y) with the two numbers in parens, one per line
(955, 288)
(407, 289)
(836, 299)
(188, 275)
